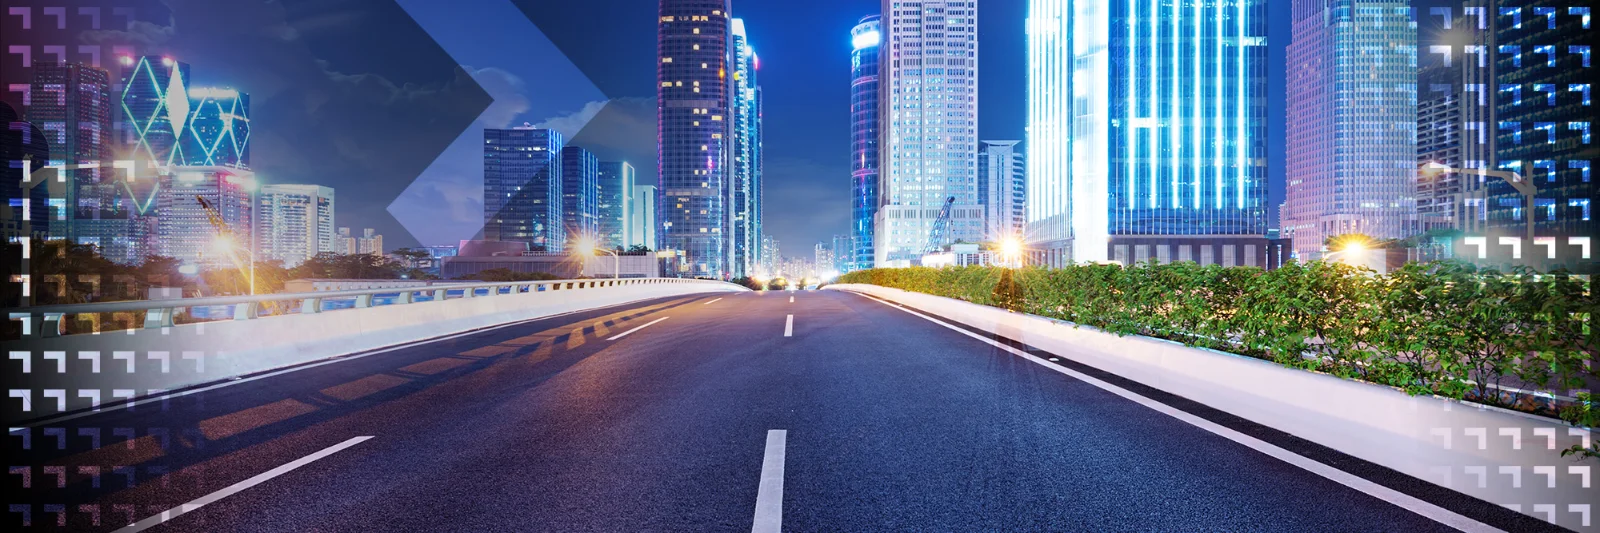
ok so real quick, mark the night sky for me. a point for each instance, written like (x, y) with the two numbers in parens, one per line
(366, 95)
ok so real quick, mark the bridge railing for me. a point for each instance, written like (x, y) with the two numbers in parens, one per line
(50, 321)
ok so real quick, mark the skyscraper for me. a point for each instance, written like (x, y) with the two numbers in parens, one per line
(642, 222)
(929, 109)
(218, 132)
(693, 108)
(866, 41)
(1439, 105)
(580, 196)
(1001, 189)
(184, 228)
(155, 105)
(71, 104)
(616, 204)
(294, 223)
(745, 186)
(1352, 156)
(1544, 121)
(1146, 137)
(522, 187)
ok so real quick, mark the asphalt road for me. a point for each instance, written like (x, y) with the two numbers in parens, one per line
(891, 423)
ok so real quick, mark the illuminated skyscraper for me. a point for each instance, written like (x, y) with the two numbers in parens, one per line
(580, 196)
(929, 109)
(294, 223)
(866, 40)
(617, 182)
(642, 222)
(218, 132)
(744, 192)
(1352, 148)
(1544, 121)
(184, 229)
(692, 138)
(71, 104)
(1146, 131)
(522, 187)
(155, 108)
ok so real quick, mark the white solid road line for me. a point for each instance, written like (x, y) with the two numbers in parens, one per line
(712, 302)
(230, 490)
(629, 332)
(788, 326)
(769, 498)
(1401, 499)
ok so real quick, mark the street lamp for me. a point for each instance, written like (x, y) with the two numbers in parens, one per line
(1432, 169)
(616, 261)
(1011, 248)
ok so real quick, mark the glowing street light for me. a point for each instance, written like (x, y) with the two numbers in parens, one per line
(587, 243)
(225, 246)
(1011, 249)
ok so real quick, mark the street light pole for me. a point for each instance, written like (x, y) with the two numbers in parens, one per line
(1523, 186)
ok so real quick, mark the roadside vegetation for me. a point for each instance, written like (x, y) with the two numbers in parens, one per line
(1513, 339)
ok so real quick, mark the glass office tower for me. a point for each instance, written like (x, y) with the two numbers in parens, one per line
(71, 104)
(866, 40)
(522, 187)
(219, 128)
(1352, 147)
(693, 105)
(616, 204)
(1146, 131)
(745, 186)
(580, 196)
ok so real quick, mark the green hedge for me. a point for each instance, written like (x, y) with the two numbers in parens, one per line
(1445, 328)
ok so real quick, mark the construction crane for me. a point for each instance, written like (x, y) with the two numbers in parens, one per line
(941, 227)
(224, 232)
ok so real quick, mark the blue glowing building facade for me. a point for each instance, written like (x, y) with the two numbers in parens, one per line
(1146, 131)
(744, 191)
(865, 40)
(218, 132)
(522, 187)
(580, 196)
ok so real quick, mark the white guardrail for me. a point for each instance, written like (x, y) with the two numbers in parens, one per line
(161, 313)
(1503, 457)
(78, 371)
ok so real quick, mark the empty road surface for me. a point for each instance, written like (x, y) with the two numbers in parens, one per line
(827, 411)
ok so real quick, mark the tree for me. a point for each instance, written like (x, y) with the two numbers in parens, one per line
(638, 249)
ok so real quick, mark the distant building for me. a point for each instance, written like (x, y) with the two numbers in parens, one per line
(26, 215)
(184, 229)
(1440, 201)
(368, 243)
(930, 128)
(1002, 189)
(822, 258)
(642, 222)
(615, 208)
(294, 223)
(843, 247)
(769, 256)
(580, 197)
(522, 187)
(1352, 119)
(866, 41)
(71, 104)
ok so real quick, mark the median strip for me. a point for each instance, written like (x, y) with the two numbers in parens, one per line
(630, 332)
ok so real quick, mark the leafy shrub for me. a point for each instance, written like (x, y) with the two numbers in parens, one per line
(1446, 328)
